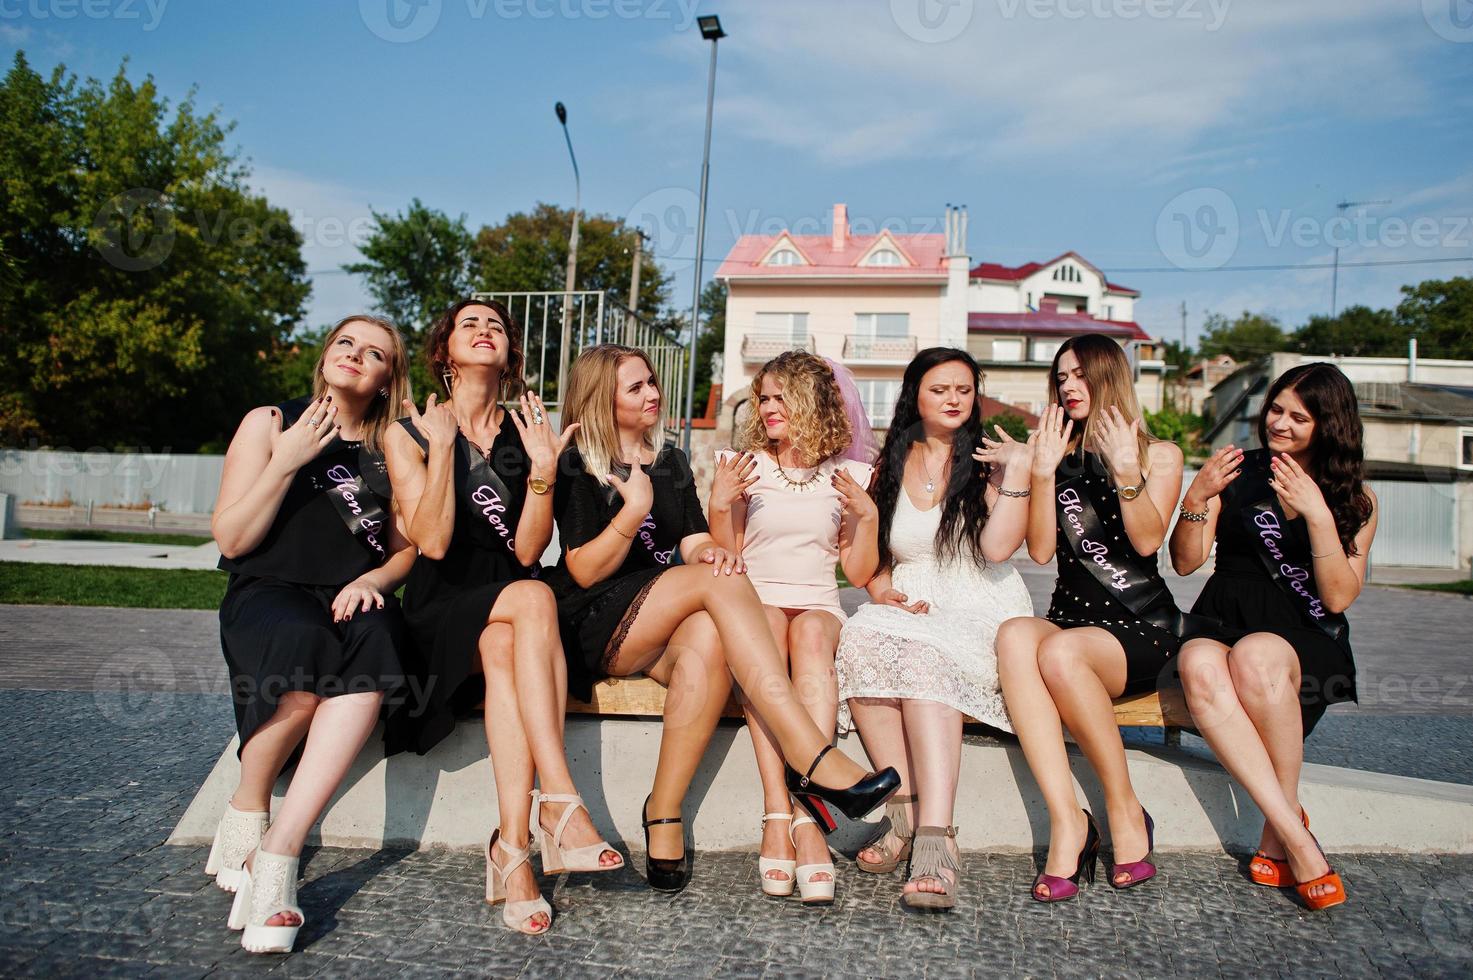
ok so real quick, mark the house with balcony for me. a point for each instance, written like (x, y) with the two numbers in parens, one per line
(871, 301)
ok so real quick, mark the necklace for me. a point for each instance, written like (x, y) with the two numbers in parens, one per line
(799, 485)
(930, 481)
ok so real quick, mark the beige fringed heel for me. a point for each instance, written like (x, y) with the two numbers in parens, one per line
(898, 812)
(929, 859)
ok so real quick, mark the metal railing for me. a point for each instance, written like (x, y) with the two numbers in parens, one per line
(862, 347)
(766, 346)
(593, 318)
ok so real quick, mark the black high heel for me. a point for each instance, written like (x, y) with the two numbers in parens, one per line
(664, 874)
(853, 801)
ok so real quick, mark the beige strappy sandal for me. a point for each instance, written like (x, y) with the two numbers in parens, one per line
(895, 843)
(777, 887)
(930, 858)
(556, 858)
(516, 915)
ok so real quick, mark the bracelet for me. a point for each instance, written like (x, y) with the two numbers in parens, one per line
(1187, 515)
(1025, 492)
(1328, 554)
(630, 536)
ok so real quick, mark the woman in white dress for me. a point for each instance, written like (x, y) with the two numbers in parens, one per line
(920, 657)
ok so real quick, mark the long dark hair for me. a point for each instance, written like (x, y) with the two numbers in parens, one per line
(964, 507)
(437, 346)
(1336, 457)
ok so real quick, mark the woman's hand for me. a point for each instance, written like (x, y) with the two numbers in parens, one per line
(1296, 490)
(542, 445)
(734, 476)
(300, 443)
(723, 562)
(1051, 441)
(636, 489)
(1118, 441)
(894, 597)
(853, 498)
(359, 595)
(1005, 451)
(436, 422)
(1221, 468)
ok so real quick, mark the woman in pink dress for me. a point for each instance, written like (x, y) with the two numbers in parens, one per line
(793, 504)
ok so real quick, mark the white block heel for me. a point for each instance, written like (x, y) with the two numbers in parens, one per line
(776, 887)
(267, 890)
(238, 834)
(811, 890)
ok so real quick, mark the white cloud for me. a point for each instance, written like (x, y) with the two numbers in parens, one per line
(14, 35)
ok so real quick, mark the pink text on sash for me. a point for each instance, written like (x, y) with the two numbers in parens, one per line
(345, 484)
(648, 540)
(1269, 533)
(1097, 550)
(492, 507)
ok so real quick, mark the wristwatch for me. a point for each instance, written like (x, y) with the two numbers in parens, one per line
(538, 485)
(1130, 493)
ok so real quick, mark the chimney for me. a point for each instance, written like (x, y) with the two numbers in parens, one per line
(1048, 304)
(1412, 359)
(841, 227)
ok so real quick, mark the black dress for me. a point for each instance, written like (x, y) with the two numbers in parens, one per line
(446, 601)
(1243, 599)
(1081, 600)
(596, 619)
(276, 625)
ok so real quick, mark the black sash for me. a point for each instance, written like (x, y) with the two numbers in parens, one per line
(1124, 576)
(645, 535)
(352, 496)
(1278, 550)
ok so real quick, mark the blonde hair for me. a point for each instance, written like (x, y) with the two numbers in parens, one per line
(384, 408)
(593, 386)
(818, 425)
(1108, 375)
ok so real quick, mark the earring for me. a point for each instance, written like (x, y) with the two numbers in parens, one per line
(383, 393)
(447, 377)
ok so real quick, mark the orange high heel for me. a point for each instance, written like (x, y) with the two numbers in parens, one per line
(1335, 896)
(1273, 872)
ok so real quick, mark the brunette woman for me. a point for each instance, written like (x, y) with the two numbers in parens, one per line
(309, 625)
(1293, 523)
(920, 657)
(474, 481)
(792, 505)
(1103, 492)
(643, 588)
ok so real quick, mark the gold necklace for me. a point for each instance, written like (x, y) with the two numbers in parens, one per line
(801, 486)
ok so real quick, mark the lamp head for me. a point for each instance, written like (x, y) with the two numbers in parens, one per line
(710, 26)
(562, 113)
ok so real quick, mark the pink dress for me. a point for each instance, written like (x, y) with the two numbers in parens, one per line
(791, 543)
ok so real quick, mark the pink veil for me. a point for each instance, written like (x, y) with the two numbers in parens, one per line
(864, 447)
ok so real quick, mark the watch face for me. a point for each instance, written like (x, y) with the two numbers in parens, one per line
(538, 486)
(1130, 493)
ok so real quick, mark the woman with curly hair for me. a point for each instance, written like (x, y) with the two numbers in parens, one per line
(792, 504)
(1293, 523)
(920, 656)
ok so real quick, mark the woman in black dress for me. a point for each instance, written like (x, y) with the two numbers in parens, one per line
(1293, 524)
(642, 588)
(1102, 502)
(309, 625)
(474, 482)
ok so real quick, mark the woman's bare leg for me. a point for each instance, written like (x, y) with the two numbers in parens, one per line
(775, 841)
(266, 752)
(882, 730)
(935, 730)
(1266, 677)
(813, 636)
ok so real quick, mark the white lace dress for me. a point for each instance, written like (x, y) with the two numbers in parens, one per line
(945, 654)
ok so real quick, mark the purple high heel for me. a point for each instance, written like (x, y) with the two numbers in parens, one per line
(1058, 889)
(1140, 871)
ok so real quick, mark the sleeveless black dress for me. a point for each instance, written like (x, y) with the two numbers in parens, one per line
(596, 619)
(1081, 600)
(276, 625)
(446, 601)
(1242, 597)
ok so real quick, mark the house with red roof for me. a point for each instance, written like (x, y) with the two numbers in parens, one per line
(871, 300)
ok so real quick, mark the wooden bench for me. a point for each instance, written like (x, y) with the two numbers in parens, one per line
(642, 697)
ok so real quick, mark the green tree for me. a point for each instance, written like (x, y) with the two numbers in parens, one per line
(1439, 313)
(1357, 331)
(712, 341)
(1249, 336)
(1013, 424)
(1182, 428)
(145, 291)
(416, 264)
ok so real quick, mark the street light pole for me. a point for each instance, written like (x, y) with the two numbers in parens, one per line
(711, 31)
(562, 360)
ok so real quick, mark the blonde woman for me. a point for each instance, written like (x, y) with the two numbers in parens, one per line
(643, 588)
(474, 480)
(794, 507)
(309, 625)
(1103, 493)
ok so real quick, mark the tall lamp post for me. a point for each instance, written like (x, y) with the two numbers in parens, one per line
(710, 31)
(562, 357)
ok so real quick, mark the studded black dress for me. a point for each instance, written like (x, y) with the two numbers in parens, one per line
(1080, 600)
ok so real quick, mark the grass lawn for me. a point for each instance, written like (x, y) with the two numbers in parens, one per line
(1465, 587)
(102, 585)
(126, 537)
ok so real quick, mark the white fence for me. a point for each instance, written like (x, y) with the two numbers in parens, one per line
(175, 484)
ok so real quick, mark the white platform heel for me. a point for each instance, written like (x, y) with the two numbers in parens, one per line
(812, 889)
(268, 889)
(776, 887)
(238, 834)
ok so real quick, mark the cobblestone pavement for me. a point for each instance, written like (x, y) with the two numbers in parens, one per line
(90, 785)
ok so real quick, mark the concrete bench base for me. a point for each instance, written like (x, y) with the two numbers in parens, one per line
(448, 799)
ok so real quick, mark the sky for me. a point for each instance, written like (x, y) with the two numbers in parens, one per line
(1178, 145)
